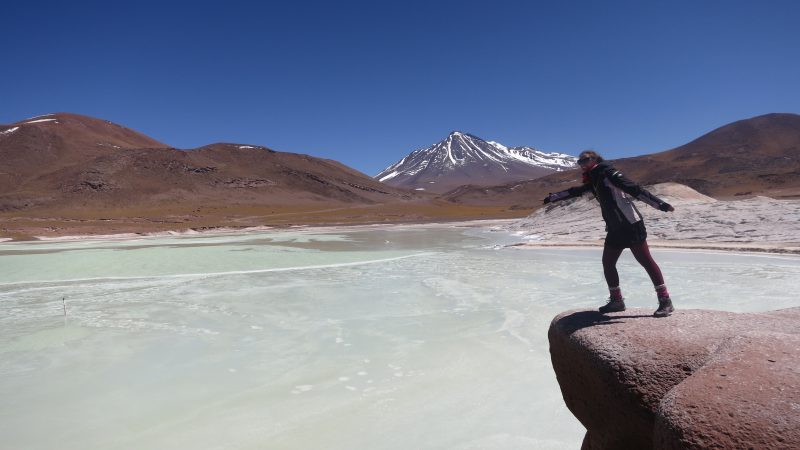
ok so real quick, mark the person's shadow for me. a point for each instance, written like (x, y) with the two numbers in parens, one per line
(582, 319)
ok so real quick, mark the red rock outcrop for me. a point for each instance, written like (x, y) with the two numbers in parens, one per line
(697, 379)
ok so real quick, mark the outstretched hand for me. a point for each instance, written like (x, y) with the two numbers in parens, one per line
(547, 200)
(666, 207)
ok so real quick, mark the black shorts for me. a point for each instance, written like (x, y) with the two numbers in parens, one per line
(627, 236)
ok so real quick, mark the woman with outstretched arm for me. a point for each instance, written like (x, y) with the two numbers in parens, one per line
(624, 224)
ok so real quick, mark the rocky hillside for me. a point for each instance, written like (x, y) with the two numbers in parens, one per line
(74, 161)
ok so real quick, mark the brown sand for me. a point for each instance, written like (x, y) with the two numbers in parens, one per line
(76, 222)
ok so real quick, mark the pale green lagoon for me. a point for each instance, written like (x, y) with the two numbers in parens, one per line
(399, 337)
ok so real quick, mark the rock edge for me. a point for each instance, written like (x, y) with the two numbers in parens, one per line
(698, 379)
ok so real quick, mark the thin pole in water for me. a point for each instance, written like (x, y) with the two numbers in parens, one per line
(64, 302)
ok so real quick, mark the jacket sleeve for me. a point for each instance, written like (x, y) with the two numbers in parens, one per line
(634, 190)
(576, 191)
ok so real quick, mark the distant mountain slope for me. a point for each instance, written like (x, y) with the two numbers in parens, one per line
(40, 144)
(462, 158)
(756, 156)
(63, 160)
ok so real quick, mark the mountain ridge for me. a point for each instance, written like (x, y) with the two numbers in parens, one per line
(463, 158)
(66, 159)
(70, 174)
(755, 156)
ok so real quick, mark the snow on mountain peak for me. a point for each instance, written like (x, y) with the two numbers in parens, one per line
(40, 120)
(499, 145)
(466, 157)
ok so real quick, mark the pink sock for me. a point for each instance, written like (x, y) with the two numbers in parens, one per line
(661, 291)
(615, 292)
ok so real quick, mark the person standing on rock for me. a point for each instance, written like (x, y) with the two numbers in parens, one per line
(624, 224)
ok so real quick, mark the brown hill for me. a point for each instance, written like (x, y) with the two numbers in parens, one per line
(36, 146)
(77, 161)
(757, 156)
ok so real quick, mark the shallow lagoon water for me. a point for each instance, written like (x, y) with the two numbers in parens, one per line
(428, 337)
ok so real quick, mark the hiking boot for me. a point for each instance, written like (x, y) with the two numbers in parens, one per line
(664, 307)
(613, 305)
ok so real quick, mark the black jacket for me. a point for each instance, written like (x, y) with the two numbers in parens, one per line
(612, 190)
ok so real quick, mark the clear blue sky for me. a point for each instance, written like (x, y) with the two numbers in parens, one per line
(367, 82)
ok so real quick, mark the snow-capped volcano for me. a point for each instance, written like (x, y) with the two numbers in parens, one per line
(462, 158)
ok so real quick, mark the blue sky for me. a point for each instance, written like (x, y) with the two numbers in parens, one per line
(365, 83)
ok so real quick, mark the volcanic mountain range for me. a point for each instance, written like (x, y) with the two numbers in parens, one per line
(60, 170)
(462, 158)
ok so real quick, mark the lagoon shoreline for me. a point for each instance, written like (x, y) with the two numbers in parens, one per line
(499, 225)
(728, 247)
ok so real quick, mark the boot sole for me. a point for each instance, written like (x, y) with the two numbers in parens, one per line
(663, 313)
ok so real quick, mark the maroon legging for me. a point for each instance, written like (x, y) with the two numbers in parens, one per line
(642, 254)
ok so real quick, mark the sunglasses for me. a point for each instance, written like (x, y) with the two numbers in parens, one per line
(585, 160)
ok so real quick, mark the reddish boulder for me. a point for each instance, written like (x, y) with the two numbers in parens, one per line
(696, 379)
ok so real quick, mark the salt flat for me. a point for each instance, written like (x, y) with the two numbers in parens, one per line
(755, 224)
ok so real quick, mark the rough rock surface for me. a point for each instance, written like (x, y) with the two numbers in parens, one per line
(698, 379)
